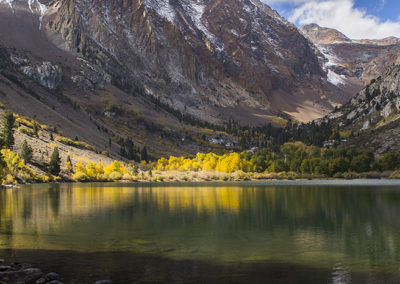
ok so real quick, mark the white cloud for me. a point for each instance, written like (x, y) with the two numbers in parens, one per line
(341, 15)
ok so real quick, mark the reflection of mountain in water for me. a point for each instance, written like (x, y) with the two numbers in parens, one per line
(320, 226)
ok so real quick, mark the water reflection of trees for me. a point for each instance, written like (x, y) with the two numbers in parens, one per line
(361, 222)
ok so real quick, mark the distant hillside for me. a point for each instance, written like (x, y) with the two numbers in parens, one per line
(373, 115)
(351, 64)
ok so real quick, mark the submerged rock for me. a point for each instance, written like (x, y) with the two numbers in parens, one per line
(52, 276)
(24, 273)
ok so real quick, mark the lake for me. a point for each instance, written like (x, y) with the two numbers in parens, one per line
(254, 232)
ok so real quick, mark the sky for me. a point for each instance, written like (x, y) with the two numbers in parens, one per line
(357, 19)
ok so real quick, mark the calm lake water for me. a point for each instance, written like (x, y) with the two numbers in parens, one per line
(282, 232)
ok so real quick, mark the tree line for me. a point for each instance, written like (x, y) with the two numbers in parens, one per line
(294, 157)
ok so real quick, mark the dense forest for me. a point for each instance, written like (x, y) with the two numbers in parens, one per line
(291, 157)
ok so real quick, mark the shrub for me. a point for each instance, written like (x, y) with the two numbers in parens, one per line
(24, 121)
(73, 143)
(80, 176)
(26, 131)
(115, 176)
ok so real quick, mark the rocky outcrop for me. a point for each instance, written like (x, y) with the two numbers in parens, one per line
(374, 113)
(321, 35)
(47, 74)
(379, 100)
(398, 57)
(90, 76)
(385, 41)
(351, 61)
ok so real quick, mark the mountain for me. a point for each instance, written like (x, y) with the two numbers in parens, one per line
(373, 114)
(160, 71)
(352, 63)
(320, 35)
(214, 60)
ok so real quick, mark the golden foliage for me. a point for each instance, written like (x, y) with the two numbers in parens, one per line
(227, 163)
(15, 169)
(97, 172)
(73, 143)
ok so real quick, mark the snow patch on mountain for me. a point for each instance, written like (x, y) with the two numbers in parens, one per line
(9, 3)
(163, 8)
(331, 60)
(34, 6)
(336, 79)
(193, 9)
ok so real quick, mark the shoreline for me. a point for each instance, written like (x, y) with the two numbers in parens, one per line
(181, 179)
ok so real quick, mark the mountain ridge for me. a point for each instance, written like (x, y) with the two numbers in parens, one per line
(155, 72)
(350, 61)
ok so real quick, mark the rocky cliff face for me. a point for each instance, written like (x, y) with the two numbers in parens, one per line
(351, 61)
(212, 59)
(47, 74)
(398, 57)
(321, 35)
(374, 114)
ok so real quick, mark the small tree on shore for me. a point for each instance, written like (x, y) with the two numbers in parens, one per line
(70, 167)
(135, 170)
(26, 152)
(55, 161)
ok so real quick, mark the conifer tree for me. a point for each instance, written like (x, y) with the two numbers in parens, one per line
(144, 155)
(7, 133)
(26, 152)
(54, 165)
(135, 170)
(35, 129)
(69, 165)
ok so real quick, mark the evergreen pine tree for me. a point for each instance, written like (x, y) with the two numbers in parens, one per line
(54, 165)
(26, 152)
(35, 129)
(51, 136)
(144, 155)
(130, 149)
(135, 170)
(7, 134)
(69, 165)
(122, 152)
